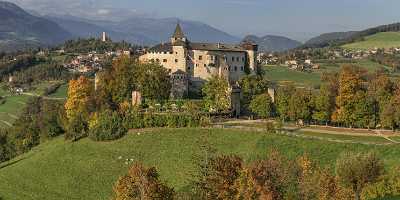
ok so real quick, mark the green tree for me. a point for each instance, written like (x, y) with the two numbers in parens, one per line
(252, 85)
(217, 95)
(300, 105)
(106, 125)
(262, 105)
(284, 94)
(324, 102)
(364, 110)
(153, 81)
(6, 147)
(356, 171)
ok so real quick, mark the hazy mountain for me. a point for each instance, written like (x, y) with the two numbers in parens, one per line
(273, 43)
(160, 30)
(84, 29)
(21, 29)
(329, 38)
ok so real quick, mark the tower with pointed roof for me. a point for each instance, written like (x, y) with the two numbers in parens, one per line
(178, 38)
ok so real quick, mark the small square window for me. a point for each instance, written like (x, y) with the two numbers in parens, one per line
(205, 65)
(200, 57)
(165, 60)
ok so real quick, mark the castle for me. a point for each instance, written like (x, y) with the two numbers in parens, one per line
(191, 64)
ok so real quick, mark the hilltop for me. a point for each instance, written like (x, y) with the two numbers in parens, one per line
(379, 40)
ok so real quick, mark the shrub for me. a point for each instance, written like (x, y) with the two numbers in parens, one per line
(106, 125)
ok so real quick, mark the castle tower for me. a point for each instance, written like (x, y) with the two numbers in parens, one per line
(178, 35)
(179, 48)
(104, 37)
(252, 51)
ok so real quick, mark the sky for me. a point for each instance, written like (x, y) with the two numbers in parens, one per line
(298, 19)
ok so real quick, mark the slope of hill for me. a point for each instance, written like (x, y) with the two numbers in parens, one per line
(19, 28)
(87, 170)
(273, 43)
(379, 40)
(328, 38)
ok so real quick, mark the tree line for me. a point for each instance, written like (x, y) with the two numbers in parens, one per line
(351, 98)
(355, 176)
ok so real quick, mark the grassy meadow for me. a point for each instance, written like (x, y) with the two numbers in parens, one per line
(282, 74)
(379, 40)
(87, 170)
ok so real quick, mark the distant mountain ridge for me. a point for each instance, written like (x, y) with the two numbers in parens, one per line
(143, 31)
(329, 38)
(19, 29)
(273, 43)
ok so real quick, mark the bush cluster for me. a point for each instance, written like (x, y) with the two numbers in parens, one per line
(106, 125)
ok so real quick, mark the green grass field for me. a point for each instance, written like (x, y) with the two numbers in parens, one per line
(282, 74)
(87, 170)
(10, 110)
(61, 92)
(379, 40)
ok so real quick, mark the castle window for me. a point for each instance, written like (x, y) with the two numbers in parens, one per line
(170, 52)
(205, 65)
(235, 68)
(197, 65)
(242, 59)
(157, 60)
(165, 60)
(237, 59)
(212, 57)
(176, 60)
(242, 68)
(229, 68)
(233, 59)
(200, 57)
(188, 68)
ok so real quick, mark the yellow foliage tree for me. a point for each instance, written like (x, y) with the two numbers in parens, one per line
(79, 97)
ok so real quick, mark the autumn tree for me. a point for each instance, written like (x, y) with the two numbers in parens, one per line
(220, 179)
(217, 94)
(350, 82)
(356, 171)
(390, 115)
(262, 105)
(142, 183)
(265, 179)
(78, 107)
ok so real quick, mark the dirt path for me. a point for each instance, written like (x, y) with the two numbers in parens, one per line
(291, 130)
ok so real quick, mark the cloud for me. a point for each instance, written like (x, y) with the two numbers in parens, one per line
(242, 2)
(103, 12)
